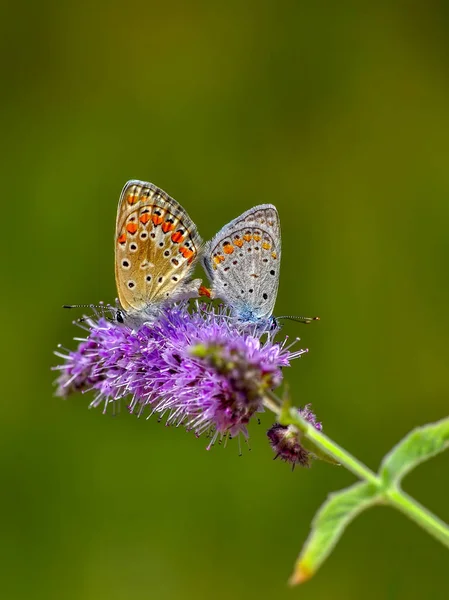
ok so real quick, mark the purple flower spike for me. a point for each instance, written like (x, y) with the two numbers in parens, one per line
(286, 440)
(198, 369)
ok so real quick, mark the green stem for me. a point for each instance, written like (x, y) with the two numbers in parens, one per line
(322, 441)
(341, 455)
(393, 496)
(419, 514)
(271, 403)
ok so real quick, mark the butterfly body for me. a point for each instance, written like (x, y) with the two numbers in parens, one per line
(243, 261)
(156, 246)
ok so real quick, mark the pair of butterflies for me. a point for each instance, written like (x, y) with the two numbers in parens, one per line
(157, 246)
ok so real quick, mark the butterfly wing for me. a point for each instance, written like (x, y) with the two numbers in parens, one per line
(156, 245)
(243, 260)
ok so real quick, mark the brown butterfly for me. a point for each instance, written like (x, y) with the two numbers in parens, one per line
(156, 246)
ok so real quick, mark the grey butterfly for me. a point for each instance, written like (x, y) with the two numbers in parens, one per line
(243, 262)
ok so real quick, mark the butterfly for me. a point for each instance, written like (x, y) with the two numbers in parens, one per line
(243, 263)
(156, 246)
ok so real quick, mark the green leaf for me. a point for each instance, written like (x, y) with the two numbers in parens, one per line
(329, 523)
(419, 445)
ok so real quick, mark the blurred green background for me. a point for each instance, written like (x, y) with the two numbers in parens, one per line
(338, 114)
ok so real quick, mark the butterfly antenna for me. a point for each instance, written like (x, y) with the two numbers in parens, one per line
(304, 320)
(83, 306)
(102, 307)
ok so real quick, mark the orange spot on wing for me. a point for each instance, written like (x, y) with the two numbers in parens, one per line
(144, 218)
(218, 259)
(186, 252)
(256, 238)
(122, 238)
(166, 227)
(204, 291)
(132, 199)
(274, 255)
(266, 246)
(238, 242)
(177, 237)
(132, 228)
(157, 219)
(247, 237)
(228, 249)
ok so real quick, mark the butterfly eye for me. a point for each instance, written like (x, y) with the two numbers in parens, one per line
(119, 317)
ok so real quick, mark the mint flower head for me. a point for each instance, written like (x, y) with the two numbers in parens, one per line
(199, 369)
(286, 440)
